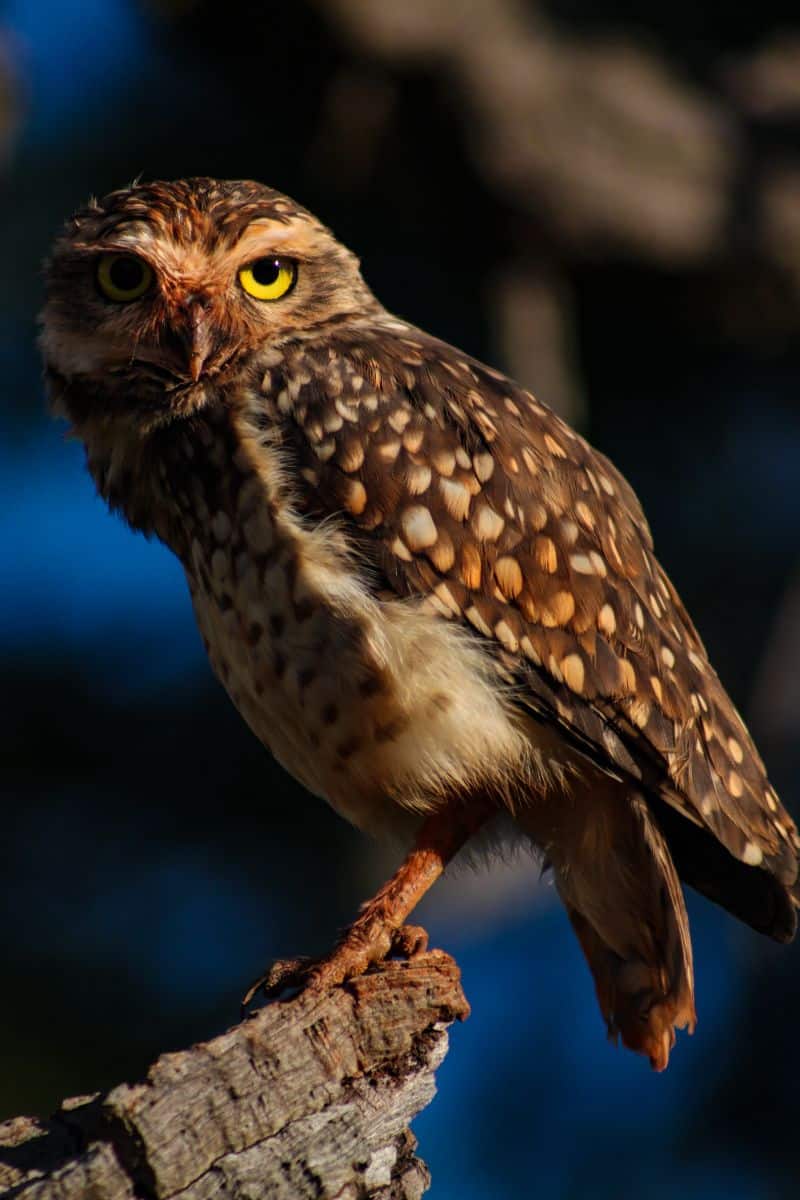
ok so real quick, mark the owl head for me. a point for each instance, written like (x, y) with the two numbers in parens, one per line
(156, 293)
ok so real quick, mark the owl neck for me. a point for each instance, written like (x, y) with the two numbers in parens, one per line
(174, 483)
(169, 478)
(167, 483)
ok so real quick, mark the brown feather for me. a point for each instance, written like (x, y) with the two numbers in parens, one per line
(596, 627)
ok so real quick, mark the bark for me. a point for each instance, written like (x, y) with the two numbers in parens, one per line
(307, 1097)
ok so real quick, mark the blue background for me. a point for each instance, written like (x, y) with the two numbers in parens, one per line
(152, 857)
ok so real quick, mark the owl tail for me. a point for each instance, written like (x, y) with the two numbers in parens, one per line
(636, 940)
(615, 875)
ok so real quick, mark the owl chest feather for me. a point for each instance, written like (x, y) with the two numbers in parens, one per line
(377, 705)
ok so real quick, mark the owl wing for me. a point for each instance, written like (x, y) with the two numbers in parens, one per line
(460, 487)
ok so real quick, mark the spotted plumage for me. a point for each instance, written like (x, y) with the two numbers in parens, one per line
(478, 497)
(423, 590)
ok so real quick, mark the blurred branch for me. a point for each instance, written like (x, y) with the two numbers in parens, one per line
(600, 137)
(311, 1097)
(780, 208)
(532, 309)
(768, 83)
(776, 703)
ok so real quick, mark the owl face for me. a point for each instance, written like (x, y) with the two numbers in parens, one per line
(156, 294)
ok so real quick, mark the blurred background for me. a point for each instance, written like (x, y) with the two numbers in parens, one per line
(602, 198)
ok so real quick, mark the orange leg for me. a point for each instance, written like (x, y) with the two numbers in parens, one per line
(379, 929)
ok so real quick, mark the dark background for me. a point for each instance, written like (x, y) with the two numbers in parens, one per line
(606, 204)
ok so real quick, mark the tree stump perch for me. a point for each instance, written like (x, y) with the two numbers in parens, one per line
(308, 1097)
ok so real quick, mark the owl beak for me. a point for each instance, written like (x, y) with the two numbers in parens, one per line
(197, 338)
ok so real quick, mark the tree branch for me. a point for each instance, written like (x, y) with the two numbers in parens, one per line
(309, 1097)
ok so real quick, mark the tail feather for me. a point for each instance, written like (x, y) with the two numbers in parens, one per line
(616, 877)
(638, 1001)
(648, 990)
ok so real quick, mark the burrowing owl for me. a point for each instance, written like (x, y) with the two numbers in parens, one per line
(428, 597)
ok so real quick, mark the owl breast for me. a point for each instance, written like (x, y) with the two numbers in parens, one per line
(379, 706)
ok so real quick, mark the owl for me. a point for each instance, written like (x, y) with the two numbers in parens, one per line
(428, 596)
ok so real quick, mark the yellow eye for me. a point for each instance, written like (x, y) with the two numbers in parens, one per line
(268, 278)
(123, 277)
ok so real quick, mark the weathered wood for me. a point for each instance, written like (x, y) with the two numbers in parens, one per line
(310, 1097)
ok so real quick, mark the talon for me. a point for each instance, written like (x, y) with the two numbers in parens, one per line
(410, 941)
(357, 951)
(282, 974)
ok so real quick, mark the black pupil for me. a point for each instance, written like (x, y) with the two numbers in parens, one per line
(266, 270)
(126, 274)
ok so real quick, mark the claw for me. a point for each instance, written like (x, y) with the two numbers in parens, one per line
(354, 955)
(284, 973)
(409, 941)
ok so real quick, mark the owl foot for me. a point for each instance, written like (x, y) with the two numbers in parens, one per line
(362, 946)
(379, 930)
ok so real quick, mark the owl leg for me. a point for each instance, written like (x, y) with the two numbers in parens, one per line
(621, 891)
(380, 929)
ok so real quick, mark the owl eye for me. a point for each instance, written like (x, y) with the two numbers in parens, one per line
(268, 278)
(123, 277)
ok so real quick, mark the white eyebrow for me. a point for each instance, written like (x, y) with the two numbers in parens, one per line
(263, 228)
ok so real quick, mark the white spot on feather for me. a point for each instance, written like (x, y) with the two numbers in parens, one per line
(753, 855)
(418, 527)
